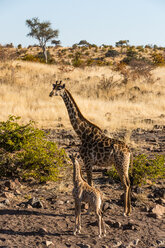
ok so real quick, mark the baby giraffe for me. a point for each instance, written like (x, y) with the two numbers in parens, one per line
(83, 192)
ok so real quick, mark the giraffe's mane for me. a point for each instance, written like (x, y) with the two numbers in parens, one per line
(80, 114)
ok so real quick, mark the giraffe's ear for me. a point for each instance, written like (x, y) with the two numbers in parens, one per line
(63, 86)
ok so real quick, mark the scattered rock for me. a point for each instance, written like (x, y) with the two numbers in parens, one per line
(35, 203)
(2, 205)
(133, 243)
(159, 192)
(51, 199)
(94, 241)
(117, 243)
(17, 192)
(113, 224)
(83, 245)
(145, 208)
(138, 190)
(48, 243)
(6, 202)
(32, 203)
(151, 196)
(160, 201)
(67, 244)
(7, 195)
(117, 224)
(12, 184)
(157, 212)
(122, 246)
(42, 231)
(129, 226)
(59, 202)
(160, 241)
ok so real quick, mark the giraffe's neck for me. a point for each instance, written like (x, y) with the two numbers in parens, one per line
(81, 125)
(77, 178)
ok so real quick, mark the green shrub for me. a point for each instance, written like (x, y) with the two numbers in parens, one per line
(131, 54)
(25, 152)
(112, 53)
(77, 62)
(144, 168)
(140, 48)
(39, 58)
(19, 46)
(148, 168)
(158, 59)
(30, 57)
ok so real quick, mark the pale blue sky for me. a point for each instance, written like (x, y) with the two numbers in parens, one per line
(97, 21)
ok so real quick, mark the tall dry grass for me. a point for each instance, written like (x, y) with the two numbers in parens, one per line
(101, 93)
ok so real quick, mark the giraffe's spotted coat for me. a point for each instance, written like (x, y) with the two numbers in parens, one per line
(96, 148)
(83, 192)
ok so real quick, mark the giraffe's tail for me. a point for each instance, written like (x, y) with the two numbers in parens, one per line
(131, 164)
(105, 207)
(131, 169)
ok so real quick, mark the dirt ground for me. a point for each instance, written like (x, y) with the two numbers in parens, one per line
(42, 215)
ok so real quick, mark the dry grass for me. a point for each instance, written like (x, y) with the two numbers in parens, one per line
(99, 91)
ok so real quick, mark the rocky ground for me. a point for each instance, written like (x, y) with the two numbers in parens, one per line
(37, 215)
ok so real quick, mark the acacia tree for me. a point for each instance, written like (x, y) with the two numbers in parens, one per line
(55, 42)
(42, 32)
(122, 43)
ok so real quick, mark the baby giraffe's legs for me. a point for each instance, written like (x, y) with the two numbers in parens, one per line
(77, 217)
(99, 224)
(103, 227)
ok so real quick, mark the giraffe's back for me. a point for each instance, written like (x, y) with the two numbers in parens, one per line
(101, 151)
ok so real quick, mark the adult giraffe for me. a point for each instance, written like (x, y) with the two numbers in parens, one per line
(96, 148)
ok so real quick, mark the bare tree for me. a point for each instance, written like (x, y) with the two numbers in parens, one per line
(42, 32)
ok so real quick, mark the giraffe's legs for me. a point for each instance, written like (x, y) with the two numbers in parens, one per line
(77, 217)
(99, 224)
(129, 199)
(127, 195)
(103, 227)
(122, 166)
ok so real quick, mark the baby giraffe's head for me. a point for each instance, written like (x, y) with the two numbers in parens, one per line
(58, 89)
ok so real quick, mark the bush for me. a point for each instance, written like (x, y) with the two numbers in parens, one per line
(158, 59)
(74, 46)
(131, 54)
(9, 45)
(112, 53)
(83, 43)
(25, 152)
(148, 168)
(39, 58)
(77, 62)
(143, 168)
(30, 57)
(19, 46)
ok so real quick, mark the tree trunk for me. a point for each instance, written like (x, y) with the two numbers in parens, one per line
(45, 54)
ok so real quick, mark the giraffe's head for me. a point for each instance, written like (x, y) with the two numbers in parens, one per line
(58, 89)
